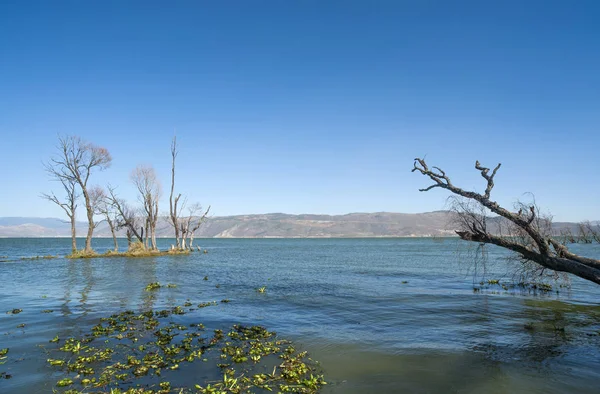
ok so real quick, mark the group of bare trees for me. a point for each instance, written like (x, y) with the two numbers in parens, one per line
(72, 167)
(522, 230)
(184, 226)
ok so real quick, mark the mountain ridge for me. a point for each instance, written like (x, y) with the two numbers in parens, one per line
(269, 225)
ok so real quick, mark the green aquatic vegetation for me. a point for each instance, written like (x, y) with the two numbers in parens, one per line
(206, 278)
(171, 285)
(54, 340)
(14, 312)
(262, 289)
(64, 382)
(133, 352)
(3, 353)
(152, 286)
(47, 311)
(22, 325)
(225, 301)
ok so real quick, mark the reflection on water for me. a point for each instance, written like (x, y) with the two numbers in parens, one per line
(382, 315)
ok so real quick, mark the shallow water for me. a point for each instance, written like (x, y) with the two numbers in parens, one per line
(382, 315)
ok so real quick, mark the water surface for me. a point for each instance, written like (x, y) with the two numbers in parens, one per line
(382, 315)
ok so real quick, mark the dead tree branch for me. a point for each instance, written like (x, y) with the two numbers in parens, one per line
(529, 236)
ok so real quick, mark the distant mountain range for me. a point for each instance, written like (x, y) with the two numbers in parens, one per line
(272, 225)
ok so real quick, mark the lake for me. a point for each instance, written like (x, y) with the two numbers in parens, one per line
(381, 315)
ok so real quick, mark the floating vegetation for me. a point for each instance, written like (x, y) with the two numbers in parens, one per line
(205, 304)
(143, 352)
(46, 257)
(156, 285)
(47, 311)
(152, 286)
(225, 301)
(262, 289)
(3, 357)
(22, 325)
(531, 287)
(14, 312)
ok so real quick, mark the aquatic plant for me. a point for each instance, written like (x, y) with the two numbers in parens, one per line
(152, 286)
(133, 352)
(3, 357)
(262, 289)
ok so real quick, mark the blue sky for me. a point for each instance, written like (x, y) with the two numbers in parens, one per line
(307, 106)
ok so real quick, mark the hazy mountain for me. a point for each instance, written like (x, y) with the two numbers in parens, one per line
(272, 225)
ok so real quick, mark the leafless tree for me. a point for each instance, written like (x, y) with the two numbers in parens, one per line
(593, 231)
(126, 216)
(75, 162)
(585, 235)
(149, 189)
(105, 208)
(191, 224)
(68, 204)
(173, 212)
(528, 234)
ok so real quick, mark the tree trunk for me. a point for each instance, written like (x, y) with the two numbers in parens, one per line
(73, 235)
(112, 230)
(153, 240)
(90, 216)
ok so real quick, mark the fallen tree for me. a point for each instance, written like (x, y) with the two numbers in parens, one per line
(525, 232)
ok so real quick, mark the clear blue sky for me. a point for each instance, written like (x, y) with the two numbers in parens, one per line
(307, 106)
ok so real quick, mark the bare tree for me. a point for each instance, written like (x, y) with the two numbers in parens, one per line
(148, 186)
(191, 224)
(75, 162)
(594, 231)
(105, 208)
(126, 216)
(173, 213)
(533, 243)
(68, 204)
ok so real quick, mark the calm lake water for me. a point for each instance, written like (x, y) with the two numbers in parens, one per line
(382, 315)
